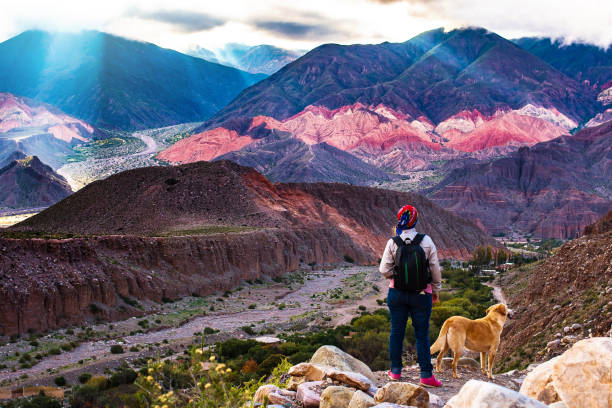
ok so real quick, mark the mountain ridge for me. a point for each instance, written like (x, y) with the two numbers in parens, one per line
(116, 83)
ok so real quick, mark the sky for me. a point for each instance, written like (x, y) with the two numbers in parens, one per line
(301, 25)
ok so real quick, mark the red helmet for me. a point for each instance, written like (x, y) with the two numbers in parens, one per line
(411, 216)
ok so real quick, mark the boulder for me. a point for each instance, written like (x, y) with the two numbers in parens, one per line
(316, 372)
(361, 400)
(263, 391)
(559, 404)
(389, 405)
(311, 372)
(579, 377)
(334, 357)
(355, 380)
(483, 394)
(280, 399)
(336, 397)
(403, 393)
(308, 395)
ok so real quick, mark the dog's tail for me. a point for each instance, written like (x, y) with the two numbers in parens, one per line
(441, 340)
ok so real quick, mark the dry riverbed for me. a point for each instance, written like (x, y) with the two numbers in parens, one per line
(300, 300)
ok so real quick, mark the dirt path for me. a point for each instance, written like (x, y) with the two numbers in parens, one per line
(299, 304)
(498, 293)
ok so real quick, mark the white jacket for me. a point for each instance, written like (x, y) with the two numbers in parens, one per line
(387, 262)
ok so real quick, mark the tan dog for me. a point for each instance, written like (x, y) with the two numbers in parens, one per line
(480, 335)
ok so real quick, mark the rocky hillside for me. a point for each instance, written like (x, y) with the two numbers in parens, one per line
(27, 183)
(167, 232)
(551, 190)
(560, 300)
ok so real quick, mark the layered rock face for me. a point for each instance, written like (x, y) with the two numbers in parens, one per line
(173, 231)
(551, 190)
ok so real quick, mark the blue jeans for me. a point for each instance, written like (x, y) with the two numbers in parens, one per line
(403, 305)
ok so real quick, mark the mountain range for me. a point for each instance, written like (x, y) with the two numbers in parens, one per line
(256, 59)
(34, 128)
(116, 83)
(553, 189)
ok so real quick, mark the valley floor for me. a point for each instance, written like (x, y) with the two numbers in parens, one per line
(300, 300)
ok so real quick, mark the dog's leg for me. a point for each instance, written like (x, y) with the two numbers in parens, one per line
(492, 352)
(441, 355)
(483, 360)
(456, 355)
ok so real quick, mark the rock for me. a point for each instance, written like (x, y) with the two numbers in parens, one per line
(576, 326)
(264, 391)
(293, 383)
(435, 401)
(361, 400)
(389, 405)
(278, 398)
(403, 393)
(559, 404)
(275, 406)
(307, 395)
(482, 394)
(334, 357)
(567, 329)
(552, 344)
(555, 307)
(580, 377)
(316, 372)
(311, 372)
(355, 380)
(336, 397)
(465, 362)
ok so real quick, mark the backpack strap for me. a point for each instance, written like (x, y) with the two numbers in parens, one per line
(398, 241)
(417, 240)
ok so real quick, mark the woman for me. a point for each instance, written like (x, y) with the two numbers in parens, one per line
(412, 297)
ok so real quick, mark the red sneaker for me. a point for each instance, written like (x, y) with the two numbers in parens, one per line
(430, 382)
(392, 376)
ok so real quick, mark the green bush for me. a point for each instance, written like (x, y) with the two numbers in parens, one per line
(84, 377)
(59, 381)
(124, 375)
(116, 349)
(38, 401)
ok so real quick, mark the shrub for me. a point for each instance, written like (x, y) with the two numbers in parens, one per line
(252, 306)
(116, 349)
(55, 351)
(84, 377)
(349, 259)
(248, 330)
(59, 381)
(124, 375)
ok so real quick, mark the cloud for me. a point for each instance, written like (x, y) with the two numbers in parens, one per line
(296, 30)
(185, 21)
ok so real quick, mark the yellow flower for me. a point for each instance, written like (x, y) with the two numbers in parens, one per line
(170, 393)
(208, 385)
(151, 371)
(162, 398)
(150, 379)
(212, 358)
(229, 370)
(159, 387)
(164, 406)
(155, 406)
(199, 351)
